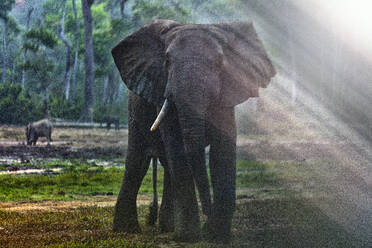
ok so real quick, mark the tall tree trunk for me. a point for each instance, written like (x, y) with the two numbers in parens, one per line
(67, 76)
(113, 6)
(87, 114)
(76, 57)
(29, 12)
(122, 8)
(4, 51)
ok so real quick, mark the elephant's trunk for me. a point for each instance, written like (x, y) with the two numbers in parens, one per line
(192, 124)
(161, 116)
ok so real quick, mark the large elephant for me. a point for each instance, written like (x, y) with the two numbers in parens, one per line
(188, 77)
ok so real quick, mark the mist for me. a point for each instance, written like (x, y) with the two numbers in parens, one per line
(317, 109)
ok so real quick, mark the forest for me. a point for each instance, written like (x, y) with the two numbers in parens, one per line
(56, 55)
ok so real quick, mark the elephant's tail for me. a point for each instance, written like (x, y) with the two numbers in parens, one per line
(153, 215)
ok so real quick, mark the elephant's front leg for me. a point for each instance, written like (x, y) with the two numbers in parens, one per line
(186, 213)
(222, 134)
(136, 166)
(166, 214)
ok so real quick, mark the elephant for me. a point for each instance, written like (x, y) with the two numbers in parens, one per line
(41, 128)
(184, 81)
(112, 120)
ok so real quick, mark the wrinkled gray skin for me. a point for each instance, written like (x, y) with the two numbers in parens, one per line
(203, 71)
(42, 128)
(112, 120)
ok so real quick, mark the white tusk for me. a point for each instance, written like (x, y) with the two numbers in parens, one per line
(160, 117)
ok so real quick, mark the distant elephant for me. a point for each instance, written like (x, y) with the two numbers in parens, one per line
(42, 128)
(112, 120)
(188, 78)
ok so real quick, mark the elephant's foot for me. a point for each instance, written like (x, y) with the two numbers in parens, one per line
(187, 228)
(166, 218)
(188, 235)
(125, 219)
(217, 230)
(153, 215)
(127, 227)
(166, 223)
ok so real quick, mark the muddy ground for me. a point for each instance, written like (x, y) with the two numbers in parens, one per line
(100, 143)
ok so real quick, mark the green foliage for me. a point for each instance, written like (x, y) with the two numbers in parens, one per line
(16, 107)
(102, 110)
(64, 109)
(220, 10)
(12, 27)
(43, 36)
(43, 70)
(5, 7)
(46, 53)
(144, 11)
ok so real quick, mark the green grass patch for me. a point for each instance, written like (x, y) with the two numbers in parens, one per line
(250, 165)
(74, 183)
(254, 174)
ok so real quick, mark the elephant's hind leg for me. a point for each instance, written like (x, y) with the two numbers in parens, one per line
(125, 216)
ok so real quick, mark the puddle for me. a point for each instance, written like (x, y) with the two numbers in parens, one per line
(96, 162)
(31, 171)
(9, 160)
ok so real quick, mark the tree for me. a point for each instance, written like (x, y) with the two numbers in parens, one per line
(144, 11)
(12, 47)
(87, 114)
(29, 9)
(5, 7)
(39, 41)
(77, 45)
(66, 42)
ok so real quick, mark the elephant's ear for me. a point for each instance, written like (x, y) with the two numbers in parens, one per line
(246, 65)
(140, 59)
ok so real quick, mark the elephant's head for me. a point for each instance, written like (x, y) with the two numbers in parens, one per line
(223, 64)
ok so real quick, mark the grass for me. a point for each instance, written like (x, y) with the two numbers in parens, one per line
(255, 174)
(285, 219)
(75, 183)
(281, 222)
(81, 179)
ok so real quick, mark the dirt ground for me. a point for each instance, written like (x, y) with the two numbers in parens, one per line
(67, 143)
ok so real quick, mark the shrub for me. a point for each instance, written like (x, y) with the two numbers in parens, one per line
(17, 106)
(59, 107)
